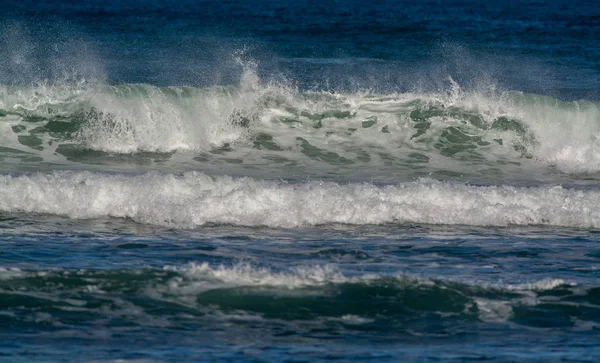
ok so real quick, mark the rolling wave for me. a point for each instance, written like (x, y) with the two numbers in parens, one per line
(196, 199)
(256, 123)
(242, 294)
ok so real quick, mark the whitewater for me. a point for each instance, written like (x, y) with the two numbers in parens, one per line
(196, 199)
(453, 131)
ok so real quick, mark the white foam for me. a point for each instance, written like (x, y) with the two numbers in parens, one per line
(561, 134)
(493, 311)
(43, 98)
(11, 273)
(355, 319)
(567, 134)
(195, 199)
(502, 310)
(248, 275)
(542, 285)
(145, 118)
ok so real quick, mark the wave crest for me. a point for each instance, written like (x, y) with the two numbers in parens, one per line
(265, 121)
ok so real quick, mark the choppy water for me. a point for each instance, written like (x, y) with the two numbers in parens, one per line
(273, 181)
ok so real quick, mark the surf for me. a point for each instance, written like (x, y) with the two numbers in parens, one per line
(195, 199)
(260, 123)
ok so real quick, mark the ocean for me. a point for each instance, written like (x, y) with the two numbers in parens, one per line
(299, 181)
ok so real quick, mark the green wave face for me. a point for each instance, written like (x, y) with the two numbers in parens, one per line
(278, 130)
(402, 304)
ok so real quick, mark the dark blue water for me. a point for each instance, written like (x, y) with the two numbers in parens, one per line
(275, 181)
(548, 47)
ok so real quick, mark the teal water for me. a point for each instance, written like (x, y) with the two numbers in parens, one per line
(353, 293)
(299, 182)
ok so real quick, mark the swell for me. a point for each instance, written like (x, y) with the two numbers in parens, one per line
(273, 123)
(195, 199)
(244, 294)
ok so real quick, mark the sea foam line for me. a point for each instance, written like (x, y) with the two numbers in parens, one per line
(195, 199)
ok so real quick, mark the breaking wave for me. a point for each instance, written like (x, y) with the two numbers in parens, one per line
(256, 122)
(242, 293)
(196, 199)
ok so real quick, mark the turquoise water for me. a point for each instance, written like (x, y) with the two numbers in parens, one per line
(299, 182)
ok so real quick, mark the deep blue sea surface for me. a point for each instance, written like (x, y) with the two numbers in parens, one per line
(312, 181)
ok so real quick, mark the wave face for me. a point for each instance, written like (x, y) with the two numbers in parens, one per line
(301, 298)
(452, 133)
(196, 199)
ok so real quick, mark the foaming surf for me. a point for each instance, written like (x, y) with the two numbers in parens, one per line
(195, 199)
(244, 292)
(480, 134)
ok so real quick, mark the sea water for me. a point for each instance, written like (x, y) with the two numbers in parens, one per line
(281, 181)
